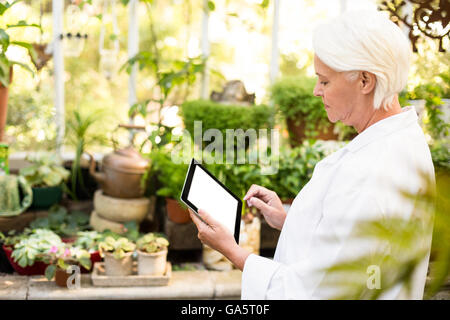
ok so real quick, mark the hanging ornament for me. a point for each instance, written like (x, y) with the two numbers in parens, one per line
(109, 42)
(74, 40)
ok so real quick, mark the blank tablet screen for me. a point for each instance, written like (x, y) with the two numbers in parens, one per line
(205, 193)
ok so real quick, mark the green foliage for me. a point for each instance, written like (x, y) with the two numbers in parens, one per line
(432, 93)
(296, 166)
(118, 247)
(64, 256)
(170, 175)
(152, 242)
(33, 247)
(88, 240)
(214, 115)
(62, 222)
(294, 99)
(440, 153)
(6, 42)
(80, 134)
(45, 170)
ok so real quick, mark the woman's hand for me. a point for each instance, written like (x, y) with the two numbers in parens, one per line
(219, 238)
(268, 203)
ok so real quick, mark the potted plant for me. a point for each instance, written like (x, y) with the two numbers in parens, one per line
(80, 135)
(152, 254)
(171, 179)
(117, 255)
(27, 254)
(305, 115)
(60, 258)
(6, 64)
(46, 176)
(89, 240)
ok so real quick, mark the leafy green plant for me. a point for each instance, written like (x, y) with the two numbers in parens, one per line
(296, 166)
(80, 135)
(33, 247)
(219, 116)
(88, 240)
(440, 153)
(432, 93)
(118, 247)
(294, 99)
(152, 242)
(62, 222)
(170, 175)
(6, 42)
(64, 256)
(45, 170)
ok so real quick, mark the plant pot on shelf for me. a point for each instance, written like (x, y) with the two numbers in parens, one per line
(45, 197)
(38, 268)
(61, 277)
(118, 267)
(176, 213)
(152, 263)
(297, 129)
(100, 224)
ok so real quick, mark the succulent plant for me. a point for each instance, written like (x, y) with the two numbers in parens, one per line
(152, 242)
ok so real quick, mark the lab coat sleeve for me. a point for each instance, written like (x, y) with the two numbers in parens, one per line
(350, 199)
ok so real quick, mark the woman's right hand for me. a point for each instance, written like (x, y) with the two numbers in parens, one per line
(268, 203)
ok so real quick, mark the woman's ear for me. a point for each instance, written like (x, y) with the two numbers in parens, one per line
(368, 81)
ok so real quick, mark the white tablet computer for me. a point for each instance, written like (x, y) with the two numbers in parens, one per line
(202, 190)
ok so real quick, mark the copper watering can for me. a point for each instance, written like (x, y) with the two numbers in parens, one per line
(122, 171)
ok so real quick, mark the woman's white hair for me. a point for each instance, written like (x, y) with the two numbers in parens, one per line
(366, 41)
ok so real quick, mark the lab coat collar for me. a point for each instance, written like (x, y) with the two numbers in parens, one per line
(383, 128)
(374, 132)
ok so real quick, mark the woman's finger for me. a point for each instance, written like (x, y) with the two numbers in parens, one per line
(196, 219)
(260, 205)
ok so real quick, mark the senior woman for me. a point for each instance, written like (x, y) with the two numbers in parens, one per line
(362, 61)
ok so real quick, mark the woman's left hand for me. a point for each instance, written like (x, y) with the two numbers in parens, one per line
(213, 234)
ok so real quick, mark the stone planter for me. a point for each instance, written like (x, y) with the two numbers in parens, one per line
(100, 224)
(121, 210)
(118, 267)
(214, 260)
(152, 263)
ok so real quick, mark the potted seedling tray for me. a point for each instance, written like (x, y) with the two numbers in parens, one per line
(100, 279)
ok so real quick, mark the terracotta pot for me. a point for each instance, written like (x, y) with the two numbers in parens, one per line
(118, 267)
(152, 263)
(4, 105)
(61, 277)
(176, 213)
(297, 132)
(122, 173)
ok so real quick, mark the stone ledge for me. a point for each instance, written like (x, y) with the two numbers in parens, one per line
(183, 285)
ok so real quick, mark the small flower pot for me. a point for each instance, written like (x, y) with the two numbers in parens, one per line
(45, 197)
(152, 263)
(61, 277)
(176, 213)
(118, 267)
(38, 268)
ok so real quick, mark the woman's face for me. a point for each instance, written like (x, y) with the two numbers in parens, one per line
(339, 95)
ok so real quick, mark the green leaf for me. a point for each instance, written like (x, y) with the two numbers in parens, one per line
(50, 272)
(211, 5)
(4, 40)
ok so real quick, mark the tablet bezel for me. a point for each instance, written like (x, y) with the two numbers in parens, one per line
(187, 187)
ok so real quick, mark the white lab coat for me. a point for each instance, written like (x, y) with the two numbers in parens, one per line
(355, 183)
